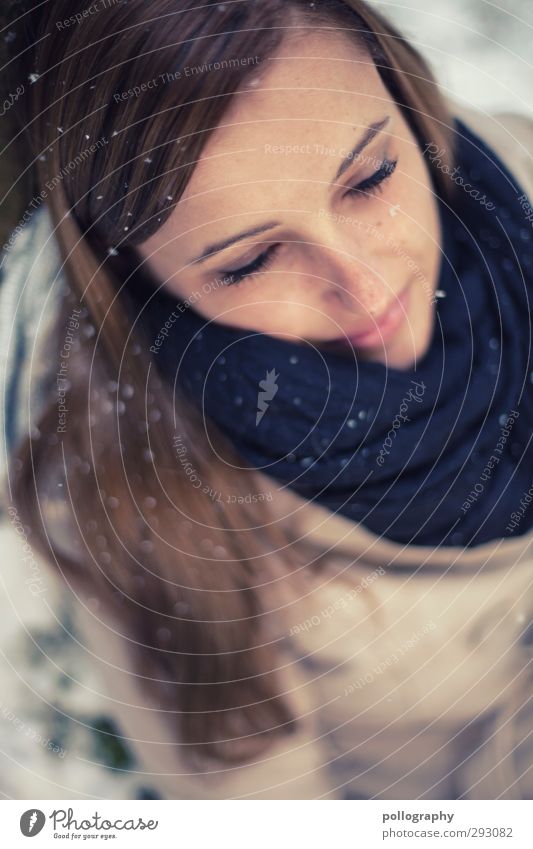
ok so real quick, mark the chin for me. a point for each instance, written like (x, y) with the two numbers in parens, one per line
(411, 345)
(405, 349)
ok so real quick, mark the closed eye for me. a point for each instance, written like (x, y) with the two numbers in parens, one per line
(372, 183)
(233, 278)
(366, 187)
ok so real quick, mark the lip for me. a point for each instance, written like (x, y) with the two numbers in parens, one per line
(384, 326)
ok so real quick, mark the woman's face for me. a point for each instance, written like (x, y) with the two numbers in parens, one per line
(310, 215)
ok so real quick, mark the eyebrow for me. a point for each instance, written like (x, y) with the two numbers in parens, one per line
(370, 133)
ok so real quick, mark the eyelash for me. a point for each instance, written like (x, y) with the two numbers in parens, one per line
(367, 187)
(375, 181)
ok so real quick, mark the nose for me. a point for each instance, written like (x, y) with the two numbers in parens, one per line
(356, 283)
(355, 278)
(363, 292)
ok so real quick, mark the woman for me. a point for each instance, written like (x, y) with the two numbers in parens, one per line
(280, 446)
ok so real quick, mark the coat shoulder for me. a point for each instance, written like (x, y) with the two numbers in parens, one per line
(509, 134)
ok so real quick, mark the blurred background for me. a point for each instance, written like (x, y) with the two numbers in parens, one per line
(480, 51)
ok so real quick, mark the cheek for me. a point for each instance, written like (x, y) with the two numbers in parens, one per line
(416, 227)
(298, 315)
(414, 187)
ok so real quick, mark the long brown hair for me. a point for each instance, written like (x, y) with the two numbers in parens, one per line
(193, 582)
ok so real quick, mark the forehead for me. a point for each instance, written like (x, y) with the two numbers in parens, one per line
(318, 90)
(279, 140)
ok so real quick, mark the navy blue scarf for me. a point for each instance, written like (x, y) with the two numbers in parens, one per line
(440, 454)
